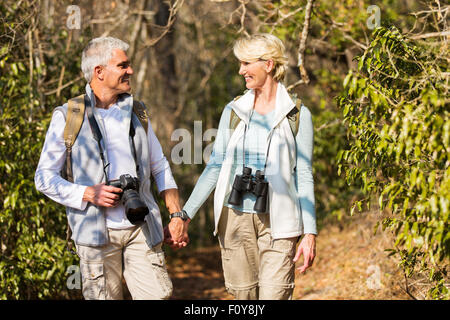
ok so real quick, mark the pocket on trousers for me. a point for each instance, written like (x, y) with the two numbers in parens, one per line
(240, 271)
(158, 264)
(93, 278)
(286, 246)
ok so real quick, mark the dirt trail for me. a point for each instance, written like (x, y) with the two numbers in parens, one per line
(350, 264)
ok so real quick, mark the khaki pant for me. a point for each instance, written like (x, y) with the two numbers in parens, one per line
(255, 266)
(127, 256)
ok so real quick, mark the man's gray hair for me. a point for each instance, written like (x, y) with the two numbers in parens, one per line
(98, 52)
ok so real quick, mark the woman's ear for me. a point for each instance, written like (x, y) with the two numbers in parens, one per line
(269, 66)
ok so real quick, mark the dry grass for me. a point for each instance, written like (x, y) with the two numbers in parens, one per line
(350, 264)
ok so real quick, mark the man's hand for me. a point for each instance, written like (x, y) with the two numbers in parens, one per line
(102, 195)
(175, 233)
(307, 247)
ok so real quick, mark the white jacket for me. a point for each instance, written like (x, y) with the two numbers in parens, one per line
(285, 209)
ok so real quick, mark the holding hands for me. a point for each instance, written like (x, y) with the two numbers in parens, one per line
(176, 233)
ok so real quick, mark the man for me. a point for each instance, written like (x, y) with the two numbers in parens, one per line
(111, 246)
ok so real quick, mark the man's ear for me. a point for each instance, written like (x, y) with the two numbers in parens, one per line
(99, 72)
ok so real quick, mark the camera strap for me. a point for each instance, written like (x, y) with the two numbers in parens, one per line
(133, 146)
(98, 136)
(95, 132)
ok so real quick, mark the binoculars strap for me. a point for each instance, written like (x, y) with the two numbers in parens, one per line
(243, 147)
(267, 153)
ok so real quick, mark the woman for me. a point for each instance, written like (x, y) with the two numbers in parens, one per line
(258, 245)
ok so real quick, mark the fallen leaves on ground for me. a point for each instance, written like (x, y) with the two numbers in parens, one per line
(350, 264)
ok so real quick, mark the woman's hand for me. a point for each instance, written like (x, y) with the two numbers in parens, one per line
(176, 233)
(307, 247)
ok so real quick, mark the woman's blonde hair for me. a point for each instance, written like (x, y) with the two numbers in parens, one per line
(263, 46)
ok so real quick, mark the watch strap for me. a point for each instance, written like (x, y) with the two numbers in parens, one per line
(179, 214)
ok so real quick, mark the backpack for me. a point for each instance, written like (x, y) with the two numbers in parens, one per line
(74, 121)
(293, 116)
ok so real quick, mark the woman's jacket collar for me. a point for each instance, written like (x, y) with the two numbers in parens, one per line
(283, 105)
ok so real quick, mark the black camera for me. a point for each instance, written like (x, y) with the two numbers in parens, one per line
(135, 208)
(254, 184)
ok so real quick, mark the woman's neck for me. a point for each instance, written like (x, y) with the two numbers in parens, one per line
(265, 97)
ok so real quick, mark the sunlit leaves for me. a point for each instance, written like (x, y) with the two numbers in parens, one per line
(33, 259)
(397, 121)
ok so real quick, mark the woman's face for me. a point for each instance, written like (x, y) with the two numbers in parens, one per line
(255, 73)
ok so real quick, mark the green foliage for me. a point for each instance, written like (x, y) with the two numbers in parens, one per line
(396, 111)
(34, 258)
(394, 108)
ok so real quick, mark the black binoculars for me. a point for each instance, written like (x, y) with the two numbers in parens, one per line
(253, 184)
(135, 209)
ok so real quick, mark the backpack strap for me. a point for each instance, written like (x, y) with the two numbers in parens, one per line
(293, 116)
(75, 117)
(294, 120)
(141, 112)
(234, 119)
(74, 120)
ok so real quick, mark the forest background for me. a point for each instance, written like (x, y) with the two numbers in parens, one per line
(373, 73)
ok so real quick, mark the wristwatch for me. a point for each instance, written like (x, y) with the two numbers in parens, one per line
(179, 214)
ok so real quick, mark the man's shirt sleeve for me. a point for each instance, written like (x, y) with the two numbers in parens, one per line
(48, 178)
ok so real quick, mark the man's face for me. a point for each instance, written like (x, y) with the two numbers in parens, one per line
(117, 73)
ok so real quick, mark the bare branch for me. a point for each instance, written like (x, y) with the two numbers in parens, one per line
(60, 87)
(243, 11)
(137, 27)
(357, 43)
(292, 86)
(431, 35)
(302, 47)
(115, 25)
(170, 21)
(30, 48)
(63, 69)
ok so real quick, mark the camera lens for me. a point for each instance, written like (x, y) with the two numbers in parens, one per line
(135, 209)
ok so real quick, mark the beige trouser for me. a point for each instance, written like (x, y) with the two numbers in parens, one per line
(255, 266)
(128, 256)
